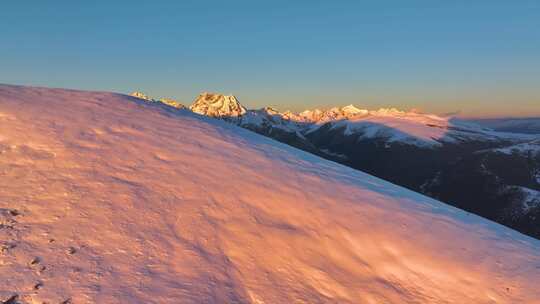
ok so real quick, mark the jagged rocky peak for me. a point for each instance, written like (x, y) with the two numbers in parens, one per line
(336, 113)
(217, 105)
(172, 103)
(270, 111)
(310, 115)
(141, 96)
(167, 101)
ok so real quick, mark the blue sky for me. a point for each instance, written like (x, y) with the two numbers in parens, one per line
(481, 58)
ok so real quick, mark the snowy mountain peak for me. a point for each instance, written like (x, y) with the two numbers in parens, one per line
(270, 111)
(217, 105)
(388, 112)
(350, 109)
(172, 103)
(141, 95)
(310, 112)
(336, 113)
(166, 101)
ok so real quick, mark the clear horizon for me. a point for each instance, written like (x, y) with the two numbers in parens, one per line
(478, 59)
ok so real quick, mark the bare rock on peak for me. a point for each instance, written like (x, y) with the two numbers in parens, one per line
(217, 105)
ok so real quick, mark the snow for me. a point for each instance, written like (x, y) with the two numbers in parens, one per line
(394, 129)
(217, 105)
(515, 125)
(395, 126)
(413, 128)
(328, 152)
(352, 110)
(109, 199)
(526, 204)
(531, 199)
(390, 124)
(254, 118)
(166, 101)
(141, 95)
(529, 148)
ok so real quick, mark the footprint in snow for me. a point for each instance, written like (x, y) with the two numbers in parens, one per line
(71, 250)
(36, 263)
(12, 300)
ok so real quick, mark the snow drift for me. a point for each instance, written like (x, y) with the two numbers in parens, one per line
(108, 199)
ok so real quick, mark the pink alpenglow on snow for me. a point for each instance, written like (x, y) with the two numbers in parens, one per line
(107, 199)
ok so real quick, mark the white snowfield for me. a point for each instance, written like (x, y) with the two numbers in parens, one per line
(108, 199)
(531, 149)
(411, 128)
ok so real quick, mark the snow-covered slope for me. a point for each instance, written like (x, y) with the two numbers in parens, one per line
(108, 199)
(410, 128)
(397, 126)
(437, 156)
(531, 148)
(516, 125)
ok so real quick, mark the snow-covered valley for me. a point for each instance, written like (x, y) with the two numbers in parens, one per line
(105, 198)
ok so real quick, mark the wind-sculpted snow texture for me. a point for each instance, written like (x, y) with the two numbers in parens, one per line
(108, 199)
(448, 159)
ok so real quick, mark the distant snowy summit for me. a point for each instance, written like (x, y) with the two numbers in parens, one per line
(217, 105)
(141, 96)
(209, 104)
(226, 106)
(167, 101)
(223, 106)
(317, 116)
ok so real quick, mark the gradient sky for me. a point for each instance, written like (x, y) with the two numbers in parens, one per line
(475, 57)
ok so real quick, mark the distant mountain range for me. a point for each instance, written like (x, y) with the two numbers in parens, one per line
(529, 125)
(484, 171)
